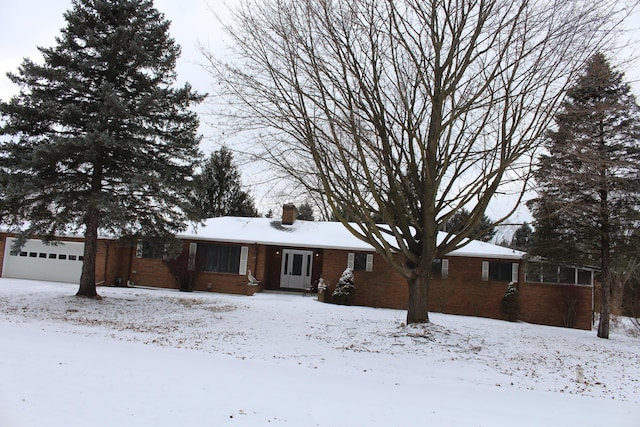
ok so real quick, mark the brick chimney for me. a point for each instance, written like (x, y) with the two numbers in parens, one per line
(289, 213)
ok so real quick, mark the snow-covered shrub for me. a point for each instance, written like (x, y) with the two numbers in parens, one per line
(345, 288)
(510, 303)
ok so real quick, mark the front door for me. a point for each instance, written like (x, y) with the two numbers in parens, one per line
(296, 269)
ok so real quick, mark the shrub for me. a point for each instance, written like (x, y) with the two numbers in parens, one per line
(510, 303)
(345, 288)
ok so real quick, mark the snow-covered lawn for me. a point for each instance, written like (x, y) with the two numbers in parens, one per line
(149, 357)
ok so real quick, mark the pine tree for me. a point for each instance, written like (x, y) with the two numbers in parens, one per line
(218, 190)
(98, 139)
(510, 303)
(305, 212)
(345, 288)
(588, 183)
(484, 231)
(522, 237)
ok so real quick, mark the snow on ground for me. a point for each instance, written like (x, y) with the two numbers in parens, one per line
(150, 357)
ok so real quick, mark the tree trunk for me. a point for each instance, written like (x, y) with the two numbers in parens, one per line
(605, 294)
(418, 311)
(88, 277)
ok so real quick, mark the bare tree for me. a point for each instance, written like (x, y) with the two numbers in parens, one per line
(406, 110)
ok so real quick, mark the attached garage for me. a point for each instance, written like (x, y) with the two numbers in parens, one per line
(37, 261)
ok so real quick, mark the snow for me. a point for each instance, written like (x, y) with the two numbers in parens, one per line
(314, 234)
(152, 357)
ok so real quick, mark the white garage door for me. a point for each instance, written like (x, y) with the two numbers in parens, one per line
(37, 261)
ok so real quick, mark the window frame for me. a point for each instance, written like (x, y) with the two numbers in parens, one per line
(360, 261)
(220, 258)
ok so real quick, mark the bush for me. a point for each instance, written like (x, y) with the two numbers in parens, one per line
(345, 288)
(510, 303)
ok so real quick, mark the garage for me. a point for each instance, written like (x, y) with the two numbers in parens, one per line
(37, 261)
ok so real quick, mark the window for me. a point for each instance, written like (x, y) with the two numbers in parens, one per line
(440, 268)
(148, 250)
(554, 273)
(360, 261)
(500, 271)
(533, 272)
(436, 268)
(219, 258)
(584, 277)
(567, 274)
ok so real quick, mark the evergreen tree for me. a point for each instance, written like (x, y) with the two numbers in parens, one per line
(345, 288)
(588, 183)
(218, 190)
(484, 231)
(305, 212)
(98, 139)
(510, 303)
(522, 237)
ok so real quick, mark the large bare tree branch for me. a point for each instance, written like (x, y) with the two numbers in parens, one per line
(406, 110)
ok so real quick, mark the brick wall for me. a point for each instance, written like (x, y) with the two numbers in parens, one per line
(550, 304)
(112, 261)
(463, 292)
(154, 272)
(383, 287)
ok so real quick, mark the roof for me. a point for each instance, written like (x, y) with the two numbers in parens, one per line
(313, 234)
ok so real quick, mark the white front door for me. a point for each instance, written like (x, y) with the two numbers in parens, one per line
(296, 269)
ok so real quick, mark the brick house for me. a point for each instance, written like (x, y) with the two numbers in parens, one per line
(293, 255)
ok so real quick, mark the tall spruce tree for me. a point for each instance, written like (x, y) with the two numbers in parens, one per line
(98, 137)
(588, 183)
(461, 220)
(522, 237)
(218, 190)
(305, 212)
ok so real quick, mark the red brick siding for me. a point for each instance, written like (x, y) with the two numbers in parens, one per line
(153, 272)
(548, 303)
(464, 292)
(383, 287)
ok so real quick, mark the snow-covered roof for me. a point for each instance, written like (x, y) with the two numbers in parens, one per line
(313, 234)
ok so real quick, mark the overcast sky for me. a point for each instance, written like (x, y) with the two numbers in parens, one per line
(26, 24)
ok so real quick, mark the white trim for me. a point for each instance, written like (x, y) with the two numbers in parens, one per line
(514, 272)
(139, 249)
(369, 262)
(351, 259)
(444, 273)
(244, 258)
(485, 271)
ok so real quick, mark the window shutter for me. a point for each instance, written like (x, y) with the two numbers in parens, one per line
(369, 262)
(445, 269)
(514, 272)
(193, 247)
(139, 250)
(485, 270)
(244, 257)
(351, 260)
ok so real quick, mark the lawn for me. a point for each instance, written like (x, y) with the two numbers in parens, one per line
(151, 357)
